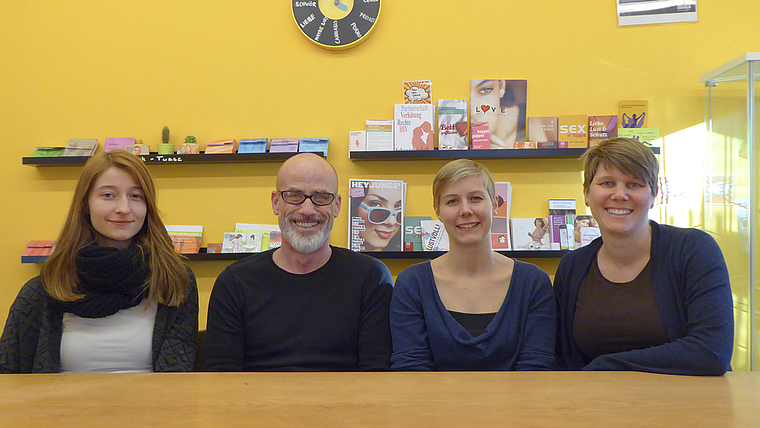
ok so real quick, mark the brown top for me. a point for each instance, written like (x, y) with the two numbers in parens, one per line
(615, 317)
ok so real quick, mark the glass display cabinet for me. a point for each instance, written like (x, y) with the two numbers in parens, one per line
(731, 195)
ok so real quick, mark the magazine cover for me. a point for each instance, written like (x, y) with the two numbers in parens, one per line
(530, 233)
(434, 236)
(413, 127)
(377, 215)
(500, 225)
(500, 104)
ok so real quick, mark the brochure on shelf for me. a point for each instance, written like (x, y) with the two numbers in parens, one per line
(434, 236)
(633, 113)
(649, 136)
(39, 248)
(47, 152)
(117, 144)
(265, 230)
(525, 145)
(253, 145)
(573, 131)
(379, 135)
(453, 126)
(239, 242)
(602, 127)
(418, 92)
(480, 137)
(357, 141)
(186, 239)
(559, 209)
(587, 234)
(413, 127)
(501, 104)
(314, 145)
(413, 232)
(80, 147)
(138, 149)
(376, 209)
(275, 239)
(283, 145)
(530, 234)
(500, 223)
(543, 131)
(221, 147)
(189, 149)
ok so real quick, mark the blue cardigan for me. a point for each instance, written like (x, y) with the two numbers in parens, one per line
(426, 337)
(693, 296)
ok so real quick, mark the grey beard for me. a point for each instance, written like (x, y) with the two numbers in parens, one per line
(305, 243)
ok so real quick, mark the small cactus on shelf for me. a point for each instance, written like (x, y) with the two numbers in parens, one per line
(165, 135)
(190, 139)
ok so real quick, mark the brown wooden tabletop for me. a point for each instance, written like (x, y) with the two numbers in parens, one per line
(501, 399)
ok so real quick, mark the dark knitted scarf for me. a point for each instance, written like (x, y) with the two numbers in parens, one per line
(110, 279)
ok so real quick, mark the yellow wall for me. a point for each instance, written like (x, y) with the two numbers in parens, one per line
(241, 69)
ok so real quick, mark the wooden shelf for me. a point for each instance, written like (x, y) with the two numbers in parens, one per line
(156, 159)
(472, 154)
(421, 255)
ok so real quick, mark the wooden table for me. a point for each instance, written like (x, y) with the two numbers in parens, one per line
(461, 400)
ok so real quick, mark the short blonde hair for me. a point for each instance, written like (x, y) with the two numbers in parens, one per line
(457, 170)
(626, 154)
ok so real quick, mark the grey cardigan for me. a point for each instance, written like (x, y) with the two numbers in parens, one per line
(31, 340)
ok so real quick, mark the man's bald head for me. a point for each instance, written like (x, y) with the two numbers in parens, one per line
(308, 167)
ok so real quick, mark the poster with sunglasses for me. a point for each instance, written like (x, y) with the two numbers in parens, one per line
(377, 215)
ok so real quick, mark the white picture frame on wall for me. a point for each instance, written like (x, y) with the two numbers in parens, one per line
(642, 12)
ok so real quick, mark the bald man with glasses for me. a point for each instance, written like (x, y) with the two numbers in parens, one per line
(306, 306)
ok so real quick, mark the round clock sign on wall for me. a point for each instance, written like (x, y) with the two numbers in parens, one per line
(336, 24)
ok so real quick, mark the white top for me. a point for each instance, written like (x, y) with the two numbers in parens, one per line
(118, 343)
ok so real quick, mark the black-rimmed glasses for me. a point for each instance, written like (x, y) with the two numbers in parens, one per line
(295, 197)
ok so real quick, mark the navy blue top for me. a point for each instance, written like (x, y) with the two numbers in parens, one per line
(693, 295)
(426, 337)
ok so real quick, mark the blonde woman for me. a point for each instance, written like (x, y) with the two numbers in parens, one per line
(471, 308)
